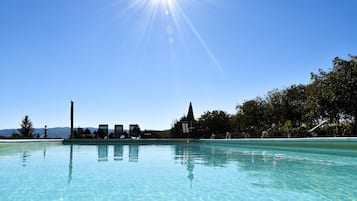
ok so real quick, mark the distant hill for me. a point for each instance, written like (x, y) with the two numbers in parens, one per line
(7, 132)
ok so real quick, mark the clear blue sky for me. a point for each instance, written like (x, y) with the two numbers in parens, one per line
(143, 61)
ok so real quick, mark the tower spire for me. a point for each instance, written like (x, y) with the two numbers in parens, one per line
(190, 116)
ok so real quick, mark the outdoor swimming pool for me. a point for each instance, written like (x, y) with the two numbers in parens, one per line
(176, 171)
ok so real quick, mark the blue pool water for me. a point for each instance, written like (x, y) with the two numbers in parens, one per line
(191, 171)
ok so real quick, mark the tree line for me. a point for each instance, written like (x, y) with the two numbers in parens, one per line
(330, 96)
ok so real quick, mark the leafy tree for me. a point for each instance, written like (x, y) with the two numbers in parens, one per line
(334, 93)
(276, 110)
(346, 74)
(330, 95)
(324, 95)
(87, 131)
(215, 122)
(313, 109)
(286, 105)
(294, 101)
(26, 129)
(343, 79)
(253, 115)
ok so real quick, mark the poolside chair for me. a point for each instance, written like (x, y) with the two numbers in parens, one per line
(265, 133)
(228, 135)
(312, 131)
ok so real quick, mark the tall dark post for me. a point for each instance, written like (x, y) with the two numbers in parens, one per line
(72, 134)
(45, 135)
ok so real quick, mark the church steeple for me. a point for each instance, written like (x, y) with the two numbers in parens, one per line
(190, 116)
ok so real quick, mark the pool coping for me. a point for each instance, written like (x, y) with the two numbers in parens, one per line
(346, 143)
(341, 143)
(315, 139)
(152, 141)
(14, 141)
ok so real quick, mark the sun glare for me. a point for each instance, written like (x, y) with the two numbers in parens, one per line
(161, 4)
(173, 14)
(159, 1)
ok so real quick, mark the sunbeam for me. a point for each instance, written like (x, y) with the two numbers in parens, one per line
(172, 13)
(200, 39)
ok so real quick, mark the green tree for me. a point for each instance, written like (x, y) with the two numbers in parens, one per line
(26, 129)
(275, 109)
(343, 79)
(313, 109)
(324, 95)
(294, 104)
(215, 122)
(346, 72)
(334, 93)
(253, 116)
(87, 131)
(330, 95)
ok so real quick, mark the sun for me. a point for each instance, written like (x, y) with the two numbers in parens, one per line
(165, 5)
(151, 11)
(161, 4)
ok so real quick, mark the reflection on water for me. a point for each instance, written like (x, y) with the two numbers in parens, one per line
(70, 165)
(303, 172)
(44, 152)
(118, 152)
(185, 155)
(133, 153)
(25, 155)
(191, 166)
(24, 150)
(272, 165)
(102, 153)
